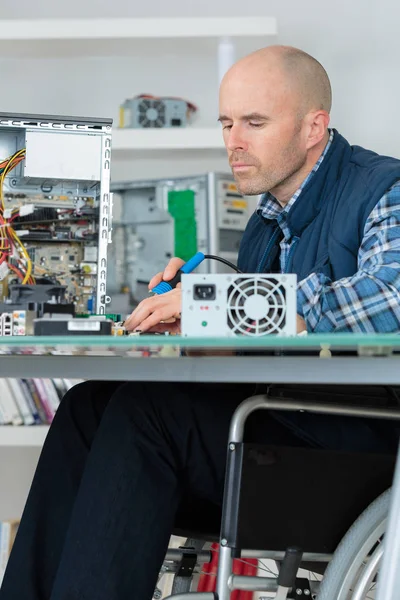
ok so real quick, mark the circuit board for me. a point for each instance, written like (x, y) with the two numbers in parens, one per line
(59, 200)
(64, 264)
(59, 233)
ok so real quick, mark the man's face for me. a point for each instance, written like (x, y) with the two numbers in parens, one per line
(262, 130)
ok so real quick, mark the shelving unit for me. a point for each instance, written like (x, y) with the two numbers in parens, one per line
(100, 30)
(22, 435)
(189, 138)
(119, 37)
(68, 38)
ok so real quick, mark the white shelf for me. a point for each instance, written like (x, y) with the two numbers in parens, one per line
(33, 435)
(42, 38)
(106, 29)
(188, 138)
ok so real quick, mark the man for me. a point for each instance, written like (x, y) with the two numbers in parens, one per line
(121, 459)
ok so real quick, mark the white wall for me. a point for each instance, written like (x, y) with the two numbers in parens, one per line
(97, 86)
(17, 466)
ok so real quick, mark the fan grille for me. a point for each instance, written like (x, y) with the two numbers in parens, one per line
(256, 306)
(151, 113)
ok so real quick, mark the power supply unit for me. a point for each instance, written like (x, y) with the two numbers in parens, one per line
(251, 304)
(149, 112)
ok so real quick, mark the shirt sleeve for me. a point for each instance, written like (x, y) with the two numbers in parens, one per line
(369, 301)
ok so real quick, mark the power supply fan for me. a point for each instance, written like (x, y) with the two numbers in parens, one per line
(256, 306)
(151, 113)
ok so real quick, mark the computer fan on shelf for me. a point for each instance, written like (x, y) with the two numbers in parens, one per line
(147, 111)
(151, 113)
(221, 305)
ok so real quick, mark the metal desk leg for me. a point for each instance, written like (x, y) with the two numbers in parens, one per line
(389, 575)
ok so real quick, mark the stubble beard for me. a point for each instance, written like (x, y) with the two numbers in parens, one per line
(278, 174)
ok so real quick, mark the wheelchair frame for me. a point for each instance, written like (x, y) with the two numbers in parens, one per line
(226, 581)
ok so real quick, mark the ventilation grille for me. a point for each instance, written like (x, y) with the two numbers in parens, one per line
(256, 306)
(151, 113)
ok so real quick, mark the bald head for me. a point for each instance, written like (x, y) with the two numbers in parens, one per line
(309, 78)
(274, 109)
(294, 70)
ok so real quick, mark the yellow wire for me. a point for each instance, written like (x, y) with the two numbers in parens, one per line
(26, 255)
(9, 166)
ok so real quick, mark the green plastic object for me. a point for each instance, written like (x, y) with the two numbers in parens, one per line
(181, 206)
(112, 316)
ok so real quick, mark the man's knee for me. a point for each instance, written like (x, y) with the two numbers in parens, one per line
(141, 398)
(153, 408)
(86, 401)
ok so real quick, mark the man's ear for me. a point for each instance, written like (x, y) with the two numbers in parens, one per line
(318, 124)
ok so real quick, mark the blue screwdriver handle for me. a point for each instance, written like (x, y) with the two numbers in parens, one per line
(188, 267)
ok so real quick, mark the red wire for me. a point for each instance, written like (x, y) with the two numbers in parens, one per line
(17, 271)
(192, 106)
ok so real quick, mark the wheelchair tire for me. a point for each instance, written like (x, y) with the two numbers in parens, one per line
(347, 565)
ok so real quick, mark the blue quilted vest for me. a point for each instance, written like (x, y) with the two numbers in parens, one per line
(327, 220)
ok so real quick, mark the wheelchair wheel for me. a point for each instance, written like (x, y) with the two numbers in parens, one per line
(352, 572)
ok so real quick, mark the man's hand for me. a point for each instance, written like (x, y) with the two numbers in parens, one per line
(301, 324)
(161, 312)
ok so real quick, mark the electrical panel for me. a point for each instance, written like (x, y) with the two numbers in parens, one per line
(55, 216)
(162, 218)
(253, 305)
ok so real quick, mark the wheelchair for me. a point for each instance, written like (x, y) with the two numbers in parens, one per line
(332, 509)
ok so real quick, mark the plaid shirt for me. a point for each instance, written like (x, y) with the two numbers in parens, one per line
(367, 302)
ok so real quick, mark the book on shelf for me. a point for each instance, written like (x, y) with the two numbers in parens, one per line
(31, 401)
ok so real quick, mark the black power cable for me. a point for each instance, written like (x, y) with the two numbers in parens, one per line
(166, 286)
(223, 260)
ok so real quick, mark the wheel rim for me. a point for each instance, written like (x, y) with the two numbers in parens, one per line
(363, 587)
(364, 567)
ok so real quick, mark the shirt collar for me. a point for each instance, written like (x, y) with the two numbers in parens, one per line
(269, 206)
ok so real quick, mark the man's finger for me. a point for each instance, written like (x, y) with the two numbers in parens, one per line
(141, 312)
(166, 306)
(169, 273)
(301, 324)
(172, 268)
(151, 321)
(155, 280)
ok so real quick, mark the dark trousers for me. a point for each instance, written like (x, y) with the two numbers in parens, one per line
(119, 461)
